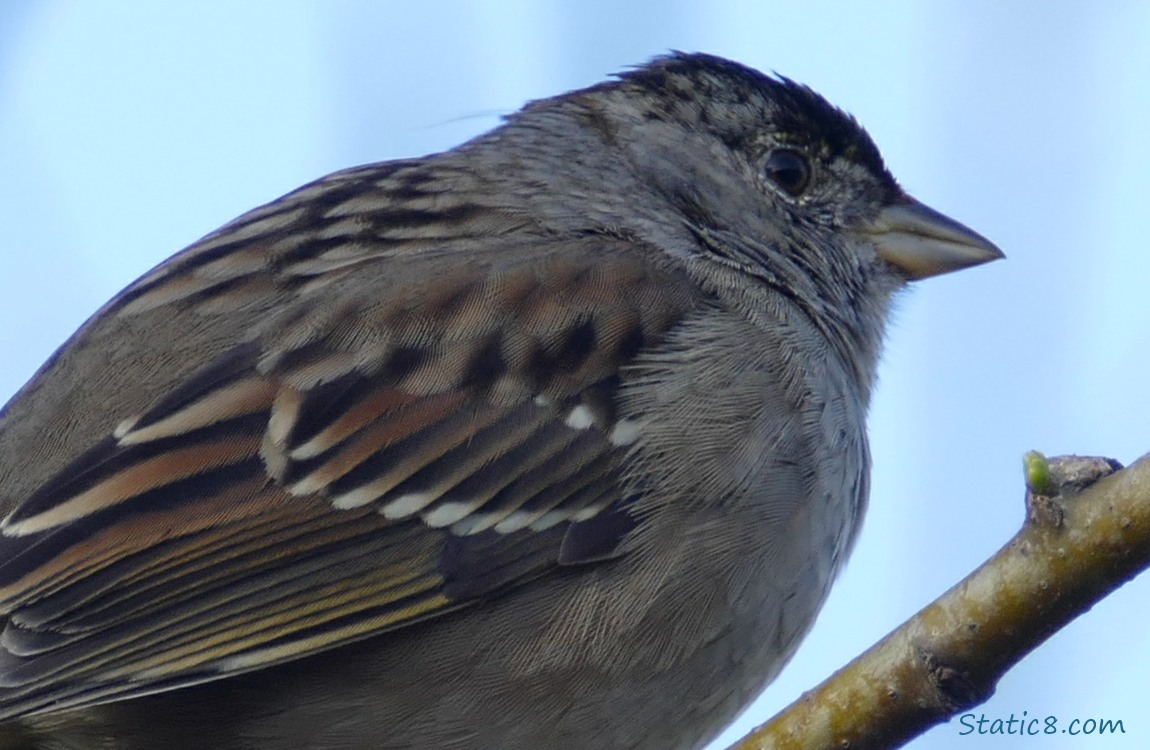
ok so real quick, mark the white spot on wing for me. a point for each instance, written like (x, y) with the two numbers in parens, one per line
(514, 522)
(310, 449)
(447, 514)
(124, 427)
(584, 513)
(405, 505)
(580, 418)
(549, 519)
(625, 432)
(474, 523)
(285, 413)
(348, 500)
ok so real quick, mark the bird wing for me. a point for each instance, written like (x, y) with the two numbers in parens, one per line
(411, 433)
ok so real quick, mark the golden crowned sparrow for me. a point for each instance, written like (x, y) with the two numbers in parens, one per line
(553, 440)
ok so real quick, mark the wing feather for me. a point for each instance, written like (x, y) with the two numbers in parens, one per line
(403, 436)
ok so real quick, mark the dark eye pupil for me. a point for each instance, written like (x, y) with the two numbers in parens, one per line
(789, 170)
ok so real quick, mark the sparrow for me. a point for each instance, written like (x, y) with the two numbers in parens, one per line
(553, 440)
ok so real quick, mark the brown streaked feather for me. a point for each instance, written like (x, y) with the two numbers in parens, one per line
(374, 453)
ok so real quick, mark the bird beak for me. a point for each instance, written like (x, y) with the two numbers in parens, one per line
(921, 242)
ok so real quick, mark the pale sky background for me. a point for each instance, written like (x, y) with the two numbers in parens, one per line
(128, 130)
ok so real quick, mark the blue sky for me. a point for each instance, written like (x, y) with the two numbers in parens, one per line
(128, 130)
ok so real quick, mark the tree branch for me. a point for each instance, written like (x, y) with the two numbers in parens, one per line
(1076, 546)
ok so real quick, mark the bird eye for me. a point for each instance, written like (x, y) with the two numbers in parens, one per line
(789, 170)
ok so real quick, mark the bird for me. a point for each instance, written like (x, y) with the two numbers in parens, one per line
(556, 439)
